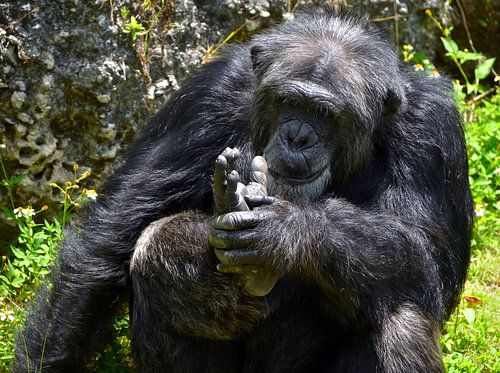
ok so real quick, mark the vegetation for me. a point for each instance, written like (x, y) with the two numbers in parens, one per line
(470, 338)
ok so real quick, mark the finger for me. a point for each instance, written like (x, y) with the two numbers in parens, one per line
(232, 182)
(238, 257)
(220, 174)
(259, 178)
(228, 153)
(240, 220)
(235, 190)
(253, 200)
(259, 285)
(259, 171)
(241, 189)
(240, 205)
(239, 269)
(256, 188)
(223, 239)
(231, 154)
(259, 164)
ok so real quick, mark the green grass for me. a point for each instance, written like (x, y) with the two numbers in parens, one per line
(471, 342)
(471, 339)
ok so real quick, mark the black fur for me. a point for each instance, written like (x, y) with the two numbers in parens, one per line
(370, 262)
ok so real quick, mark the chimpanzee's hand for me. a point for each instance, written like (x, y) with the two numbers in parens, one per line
(235, 239)
(233, 235)
(228, 191)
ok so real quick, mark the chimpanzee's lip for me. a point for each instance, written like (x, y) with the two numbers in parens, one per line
(301, 179)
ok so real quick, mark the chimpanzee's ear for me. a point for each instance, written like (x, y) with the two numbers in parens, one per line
(257, 54)
(394, 101)
(254, 54)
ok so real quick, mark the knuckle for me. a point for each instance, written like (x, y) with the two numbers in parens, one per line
(232, 219)
(214, 240)
(221, 160)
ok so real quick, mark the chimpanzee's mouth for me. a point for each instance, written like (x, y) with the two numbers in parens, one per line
(299, 179)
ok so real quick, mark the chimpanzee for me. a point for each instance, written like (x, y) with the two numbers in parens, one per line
(301, 204)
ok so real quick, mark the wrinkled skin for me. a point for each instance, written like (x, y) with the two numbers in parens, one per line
(233, 237)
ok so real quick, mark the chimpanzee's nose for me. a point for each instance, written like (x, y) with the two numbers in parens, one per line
(298, 135)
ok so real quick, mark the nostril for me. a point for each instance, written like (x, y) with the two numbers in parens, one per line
(298, 135)
(301, 141)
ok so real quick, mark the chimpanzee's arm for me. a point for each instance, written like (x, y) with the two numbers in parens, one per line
(176, 284)
(353, 254)
(391, 268)
(173, 260)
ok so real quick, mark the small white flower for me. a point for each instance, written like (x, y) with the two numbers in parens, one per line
(7, 315)
(19, 211)
(91, 193)
(480, 211)
(419, 67)
(435, 73)
(29, 211)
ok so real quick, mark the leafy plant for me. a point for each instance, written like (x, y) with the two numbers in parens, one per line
(484, 66)
(7, 182)
(150, 11)
(484, 169)
(419, 59)
(134, 28)
(471, 341)
(74, 194)
(23, 272)
(30, 259)
(32, 256)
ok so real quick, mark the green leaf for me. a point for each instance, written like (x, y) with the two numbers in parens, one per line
(450, 46)
(419, 57)
(13, 181)
(484, 68)
(471, 88)
(469, 56)
(17, 282)
(9, 214)
(18, 253)
(40, 236)
(469, 315)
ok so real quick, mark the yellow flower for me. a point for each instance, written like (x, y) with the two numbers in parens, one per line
(419, 67)
(428, 12)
